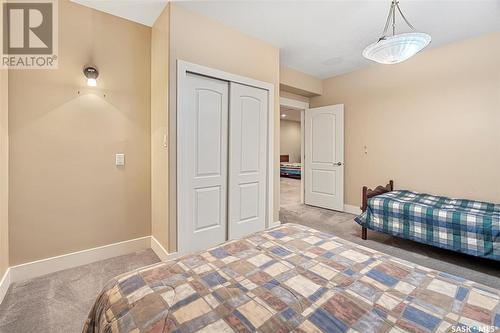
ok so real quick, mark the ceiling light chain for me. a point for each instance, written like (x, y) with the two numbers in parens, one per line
(404, 17)
(392, 18)
(388, 21)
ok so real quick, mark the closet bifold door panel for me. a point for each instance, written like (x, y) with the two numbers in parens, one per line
(203, 153)
(247, 160)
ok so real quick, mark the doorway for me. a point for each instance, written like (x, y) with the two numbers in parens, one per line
(316, 176)
(292, 152)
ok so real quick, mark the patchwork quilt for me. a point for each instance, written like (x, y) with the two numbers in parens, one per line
(292, 278)
(466, 226)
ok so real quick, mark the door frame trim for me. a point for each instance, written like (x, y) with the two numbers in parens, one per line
(184, 67)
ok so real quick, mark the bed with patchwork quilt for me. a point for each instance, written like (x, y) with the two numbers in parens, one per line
(291, 278)
(290, 170)
(466, 226)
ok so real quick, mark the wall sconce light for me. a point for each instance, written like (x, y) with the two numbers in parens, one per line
(91, 74)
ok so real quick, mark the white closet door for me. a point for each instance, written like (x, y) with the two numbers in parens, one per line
(247, 160)
(202, 173)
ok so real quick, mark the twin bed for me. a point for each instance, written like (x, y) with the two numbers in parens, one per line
(294, 278)
(466, 226)
(288, 169)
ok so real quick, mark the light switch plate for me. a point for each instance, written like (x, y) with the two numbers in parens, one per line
(120, 159)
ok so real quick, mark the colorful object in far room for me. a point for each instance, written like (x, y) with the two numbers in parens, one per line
(290, 170)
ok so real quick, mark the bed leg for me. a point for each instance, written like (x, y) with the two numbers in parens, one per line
(363, 233)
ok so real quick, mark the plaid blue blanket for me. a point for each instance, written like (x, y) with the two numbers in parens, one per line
(466, 226)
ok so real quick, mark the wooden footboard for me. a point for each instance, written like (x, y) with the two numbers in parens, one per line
(369, 193)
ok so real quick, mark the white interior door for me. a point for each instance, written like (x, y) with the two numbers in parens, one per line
(202, 167)
(247, 159)
(324, 157)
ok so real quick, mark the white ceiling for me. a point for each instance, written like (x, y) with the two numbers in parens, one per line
(141, 11)
(325, 38)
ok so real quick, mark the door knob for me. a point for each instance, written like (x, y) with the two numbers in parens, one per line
(338, 163)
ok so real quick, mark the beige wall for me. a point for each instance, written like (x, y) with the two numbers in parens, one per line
(203, 41)
(4, 167)
(160, 38)
(66, 194)
(290, 139)
(296, 97)
(300, 83)
(430, 123)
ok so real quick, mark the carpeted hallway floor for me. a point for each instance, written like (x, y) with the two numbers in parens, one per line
(342, 225)
(60, 302)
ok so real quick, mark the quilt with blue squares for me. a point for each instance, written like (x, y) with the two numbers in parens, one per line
(467, 226)
(292, 279)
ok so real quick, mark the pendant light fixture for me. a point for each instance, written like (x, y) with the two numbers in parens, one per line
(395, 48)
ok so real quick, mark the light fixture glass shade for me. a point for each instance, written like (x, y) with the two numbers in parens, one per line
(91, 73)
(397, 48)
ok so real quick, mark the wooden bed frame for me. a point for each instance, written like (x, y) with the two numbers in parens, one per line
(369, 193)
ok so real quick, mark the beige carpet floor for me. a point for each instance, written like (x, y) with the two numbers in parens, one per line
(60, 302)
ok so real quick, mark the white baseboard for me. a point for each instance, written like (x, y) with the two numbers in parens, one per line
(159, 250)
(275, 224)
(352, 209)
(50, 265)
(4, 284)
(54, 264)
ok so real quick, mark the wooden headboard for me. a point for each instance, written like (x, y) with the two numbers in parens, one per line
(284, 158)
(368, 193)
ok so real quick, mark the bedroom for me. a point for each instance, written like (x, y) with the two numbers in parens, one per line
(114, 217)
